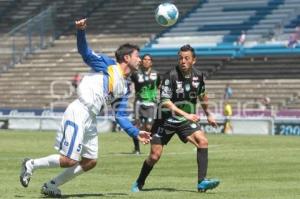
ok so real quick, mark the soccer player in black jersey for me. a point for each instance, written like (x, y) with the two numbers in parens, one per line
(180, 89)
(146, 83)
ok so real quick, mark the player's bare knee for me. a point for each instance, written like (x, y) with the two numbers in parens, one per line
(203, 142)
(93, 163)
(201, 139)
(88, 164)
(66, 161)
(154, 157)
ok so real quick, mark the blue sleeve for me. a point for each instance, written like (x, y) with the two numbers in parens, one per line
(98, 63)
(121, 115)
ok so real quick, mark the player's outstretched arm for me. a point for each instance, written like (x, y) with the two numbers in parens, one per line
(98, 63)
(121, 115)
(82, 45)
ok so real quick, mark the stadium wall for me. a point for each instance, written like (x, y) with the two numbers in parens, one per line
(241, 126)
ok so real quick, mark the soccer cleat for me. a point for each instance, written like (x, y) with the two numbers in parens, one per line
(25, 173)
(136, 152)
(206, 184)
(50, 189)
(136, 187)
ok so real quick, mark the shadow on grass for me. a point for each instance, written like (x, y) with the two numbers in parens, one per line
(166, 189)
(125, 153)
(86, 195)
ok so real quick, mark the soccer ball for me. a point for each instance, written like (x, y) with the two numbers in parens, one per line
(166, 14)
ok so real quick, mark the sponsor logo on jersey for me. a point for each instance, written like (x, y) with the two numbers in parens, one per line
(167, 82)
(187, 87)
(141, 78)
(166, 92)
(153, 76)
(195, 84)
(179, 87)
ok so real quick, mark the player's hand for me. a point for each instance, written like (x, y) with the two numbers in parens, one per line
(144, 137)
(81, 24)
(211, 120)
(193, 117)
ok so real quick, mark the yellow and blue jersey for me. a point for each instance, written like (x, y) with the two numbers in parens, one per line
(105, 84)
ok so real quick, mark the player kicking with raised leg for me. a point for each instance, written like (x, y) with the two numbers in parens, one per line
(177, 115)
(77, 139)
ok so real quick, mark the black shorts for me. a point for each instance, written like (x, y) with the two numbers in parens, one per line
(162, 131)
(144, 112)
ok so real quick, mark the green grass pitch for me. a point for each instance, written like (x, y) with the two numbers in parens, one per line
(249, 167)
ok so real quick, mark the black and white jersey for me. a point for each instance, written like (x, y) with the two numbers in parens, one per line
(182, 91)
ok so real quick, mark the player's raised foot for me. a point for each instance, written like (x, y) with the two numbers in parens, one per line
(136, 187)
(49, 189)
(207, 184)
(26, 173)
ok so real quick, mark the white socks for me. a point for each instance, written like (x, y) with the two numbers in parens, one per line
(45, 162)
(67, 175)
(53, 161)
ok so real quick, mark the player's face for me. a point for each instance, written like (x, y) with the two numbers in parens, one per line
(186, 61)
(134, 60)
(147, 62)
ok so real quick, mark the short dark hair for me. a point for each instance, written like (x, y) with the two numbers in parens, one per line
(147, 55)
(188, 47)
(125, 49)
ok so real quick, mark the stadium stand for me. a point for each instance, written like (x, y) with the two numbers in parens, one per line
(15, 12)
(219, 22)
(271, 67)
(18, 11)
(42, 79)
(273, 76)
(252, 78)
(249, 93)
(131, 17)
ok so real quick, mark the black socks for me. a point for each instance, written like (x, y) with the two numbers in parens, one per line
(136, 144)
(146, 169)
(202, 161)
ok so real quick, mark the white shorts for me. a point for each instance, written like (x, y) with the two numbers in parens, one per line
(77, 136)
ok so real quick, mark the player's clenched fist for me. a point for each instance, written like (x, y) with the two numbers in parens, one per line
(81, 24)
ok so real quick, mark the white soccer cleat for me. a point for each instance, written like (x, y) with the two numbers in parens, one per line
(25, 173)
(51, 190)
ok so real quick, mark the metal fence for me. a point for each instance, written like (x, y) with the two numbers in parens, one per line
(37, 33)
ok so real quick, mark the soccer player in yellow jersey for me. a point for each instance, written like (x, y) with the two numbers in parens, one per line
(227, 114)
